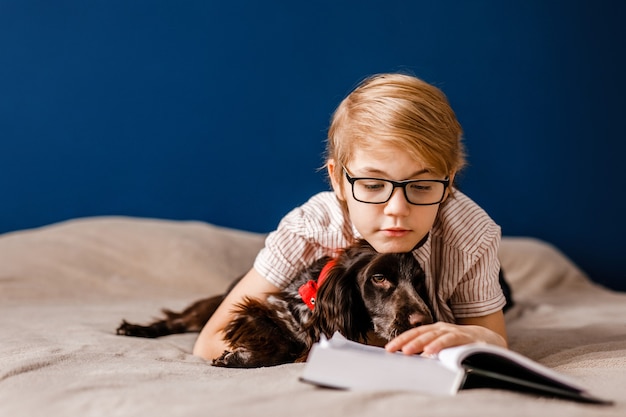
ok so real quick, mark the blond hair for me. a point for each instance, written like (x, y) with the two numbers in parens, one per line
(402, 111)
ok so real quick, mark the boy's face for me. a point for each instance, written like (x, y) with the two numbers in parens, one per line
(394, 226)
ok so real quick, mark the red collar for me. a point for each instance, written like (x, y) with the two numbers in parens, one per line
(308, 291)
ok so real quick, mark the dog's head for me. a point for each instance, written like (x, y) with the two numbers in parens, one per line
(367, 290)
(394, 293)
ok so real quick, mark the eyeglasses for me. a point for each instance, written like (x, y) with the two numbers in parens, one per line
(416, 192)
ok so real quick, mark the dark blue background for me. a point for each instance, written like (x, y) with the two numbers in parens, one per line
(217, 110)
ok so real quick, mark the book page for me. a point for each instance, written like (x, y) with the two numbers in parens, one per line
(340, 363)
(491, 357)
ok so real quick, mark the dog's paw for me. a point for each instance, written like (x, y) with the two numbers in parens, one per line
(238, 358)
(129, 329)
(125, 329)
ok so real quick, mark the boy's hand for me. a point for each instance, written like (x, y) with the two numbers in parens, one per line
(431, 338)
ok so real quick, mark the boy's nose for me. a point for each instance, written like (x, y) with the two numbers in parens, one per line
(397, 204)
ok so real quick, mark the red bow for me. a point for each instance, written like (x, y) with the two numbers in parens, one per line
(308, 291)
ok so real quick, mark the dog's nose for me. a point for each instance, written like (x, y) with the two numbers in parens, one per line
(417, 319)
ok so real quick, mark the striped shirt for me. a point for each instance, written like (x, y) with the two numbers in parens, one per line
(459, 257)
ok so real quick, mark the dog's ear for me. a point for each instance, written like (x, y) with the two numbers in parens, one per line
(339, 305)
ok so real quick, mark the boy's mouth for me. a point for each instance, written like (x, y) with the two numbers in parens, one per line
(396, 232)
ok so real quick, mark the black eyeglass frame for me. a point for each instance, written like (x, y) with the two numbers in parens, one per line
(397, 184)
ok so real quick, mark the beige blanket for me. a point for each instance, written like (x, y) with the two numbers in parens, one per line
(65, 288)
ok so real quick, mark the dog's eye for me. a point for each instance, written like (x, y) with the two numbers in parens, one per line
(378, 278)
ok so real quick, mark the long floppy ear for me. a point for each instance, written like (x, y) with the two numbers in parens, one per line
(339, 305)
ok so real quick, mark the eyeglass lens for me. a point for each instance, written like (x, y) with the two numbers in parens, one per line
(422, 192)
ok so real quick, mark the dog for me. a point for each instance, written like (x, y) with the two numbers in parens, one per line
(363, 294)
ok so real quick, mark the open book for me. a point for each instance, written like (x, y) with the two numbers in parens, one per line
(341, 363)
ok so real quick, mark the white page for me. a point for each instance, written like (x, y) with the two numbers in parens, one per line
(453, 357)
(341, 363)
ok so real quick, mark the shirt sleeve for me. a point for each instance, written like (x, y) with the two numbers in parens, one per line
(305, 234)
(478, 292)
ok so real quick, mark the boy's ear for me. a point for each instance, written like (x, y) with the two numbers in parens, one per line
(451, 177)
(332, 168)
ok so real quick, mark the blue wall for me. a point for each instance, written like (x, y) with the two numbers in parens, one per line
(217, 111)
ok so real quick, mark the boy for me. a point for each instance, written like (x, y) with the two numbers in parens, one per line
(394, 147)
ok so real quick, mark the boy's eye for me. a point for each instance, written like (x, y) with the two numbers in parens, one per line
(370, 185)
(421, 187)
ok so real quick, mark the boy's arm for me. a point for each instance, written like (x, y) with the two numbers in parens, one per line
(494, 322)
(210, 343)
(431, 338)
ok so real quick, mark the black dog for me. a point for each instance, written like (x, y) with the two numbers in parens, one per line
(362, 292)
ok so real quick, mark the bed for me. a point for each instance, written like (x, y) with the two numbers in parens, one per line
(64, 289)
